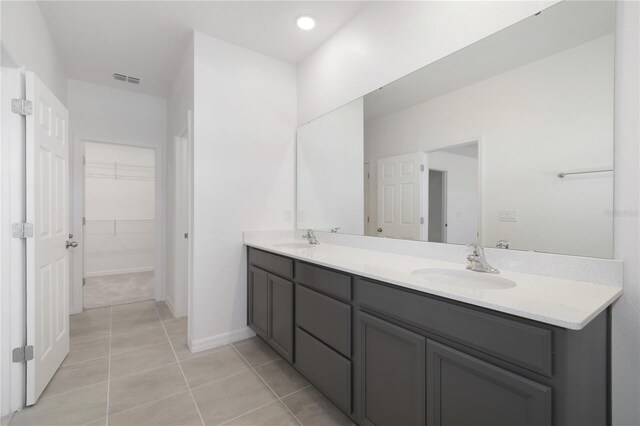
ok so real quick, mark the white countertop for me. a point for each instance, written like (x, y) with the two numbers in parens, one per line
(560, 302)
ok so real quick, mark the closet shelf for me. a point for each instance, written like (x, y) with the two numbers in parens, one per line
(117, 170)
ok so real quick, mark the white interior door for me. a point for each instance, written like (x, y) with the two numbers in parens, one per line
(47, 202)
(399, 189)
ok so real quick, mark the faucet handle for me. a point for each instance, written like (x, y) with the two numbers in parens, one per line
(475, 250)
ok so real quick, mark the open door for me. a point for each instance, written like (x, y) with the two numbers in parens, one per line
(47, 207)
(399, 196)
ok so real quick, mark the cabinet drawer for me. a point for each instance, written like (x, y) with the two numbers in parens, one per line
(330, 282)
(325, 318)
(325, 368)
(521, 344)
(271, 262)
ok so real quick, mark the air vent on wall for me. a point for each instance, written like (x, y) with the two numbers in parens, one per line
(122, 77)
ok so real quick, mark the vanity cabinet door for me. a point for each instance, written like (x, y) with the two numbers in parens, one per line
(281, 316)
(258, 307)
(392, 373)
(465, 391)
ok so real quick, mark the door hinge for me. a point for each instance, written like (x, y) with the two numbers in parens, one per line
(422, 167)
(186, 235)
(22, 106)
(22, 354)
(84, 220)
(422, 221)
(22, 230)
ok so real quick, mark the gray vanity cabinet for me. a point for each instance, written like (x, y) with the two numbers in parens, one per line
(281, 316)
(465, 391)
(387, 355)
(258, 298)
(270, 300)
(392, 373)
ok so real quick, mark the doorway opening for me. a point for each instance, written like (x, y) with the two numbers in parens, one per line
(437, 206)
(119, 224)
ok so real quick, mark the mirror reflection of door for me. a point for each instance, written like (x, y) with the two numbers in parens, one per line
(437, 206)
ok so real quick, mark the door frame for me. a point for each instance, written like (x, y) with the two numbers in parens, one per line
(12, 250)
(184, 170)
(77, 213)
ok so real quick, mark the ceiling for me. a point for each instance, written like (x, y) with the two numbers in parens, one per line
(146, 39)
(557, 28)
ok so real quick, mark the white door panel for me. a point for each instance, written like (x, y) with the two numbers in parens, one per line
(47, 202)
(399, 189)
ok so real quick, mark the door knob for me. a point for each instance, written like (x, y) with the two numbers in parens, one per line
(379, 229)
(72, 244)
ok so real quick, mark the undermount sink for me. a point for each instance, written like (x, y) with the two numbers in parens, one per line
(467, 279)
(295, 245)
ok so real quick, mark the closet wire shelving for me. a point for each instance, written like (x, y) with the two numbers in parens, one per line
(118, 170)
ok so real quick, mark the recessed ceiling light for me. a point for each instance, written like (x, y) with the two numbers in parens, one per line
(305, 22)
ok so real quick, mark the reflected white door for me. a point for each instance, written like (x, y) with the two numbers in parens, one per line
(399, 189)
(47, 202)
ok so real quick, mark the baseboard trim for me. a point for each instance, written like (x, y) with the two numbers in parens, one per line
(220, 339)
(119, 271)
(169, 303)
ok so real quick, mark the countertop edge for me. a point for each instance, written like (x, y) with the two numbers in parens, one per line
(498, 308)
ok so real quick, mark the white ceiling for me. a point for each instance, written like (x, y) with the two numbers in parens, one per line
(557, 28)
(146, 39)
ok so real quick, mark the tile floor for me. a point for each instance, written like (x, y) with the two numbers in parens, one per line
(109, 290)
(129, 365)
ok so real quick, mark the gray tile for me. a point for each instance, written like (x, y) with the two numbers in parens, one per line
(137, 340)
(314, 409)
(256, 352)
(175, 410)
(231, 397)
(147, 358)
(84, 351)
(274, 414)
(133, 310)
(207, 368)
(78, 375)
(74, 408)
(183, 352)
(148, 386)
(282, 378)
(165, 313)
(86, 327)
(99, 422)
(6, 419)
(177, 328)
(129, 324)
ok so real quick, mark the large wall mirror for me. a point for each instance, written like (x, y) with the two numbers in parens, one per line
(507, 142)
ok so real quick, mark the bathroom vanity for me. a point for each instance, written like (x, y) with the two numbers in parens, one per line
(389, 354)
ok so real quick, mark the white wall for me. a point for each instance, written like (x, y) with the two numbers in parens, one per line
(119, 234)
(26, 41)
(179, 103)
(626, 311)
(330, 187)
(103, 114)
(531, 124)
(244, 176)
(462, 194)
(385, 42)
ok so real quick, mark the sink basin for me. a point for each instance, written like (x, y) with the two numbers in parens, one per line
(294, 245)
(467, 279)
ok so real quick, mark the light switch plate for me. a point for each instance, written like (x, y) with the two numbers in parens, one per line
(505, 215)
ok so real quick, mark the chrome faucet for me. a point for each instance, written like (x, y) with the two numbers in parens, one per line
(477, 262)
(310, 236)
(503, 244)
